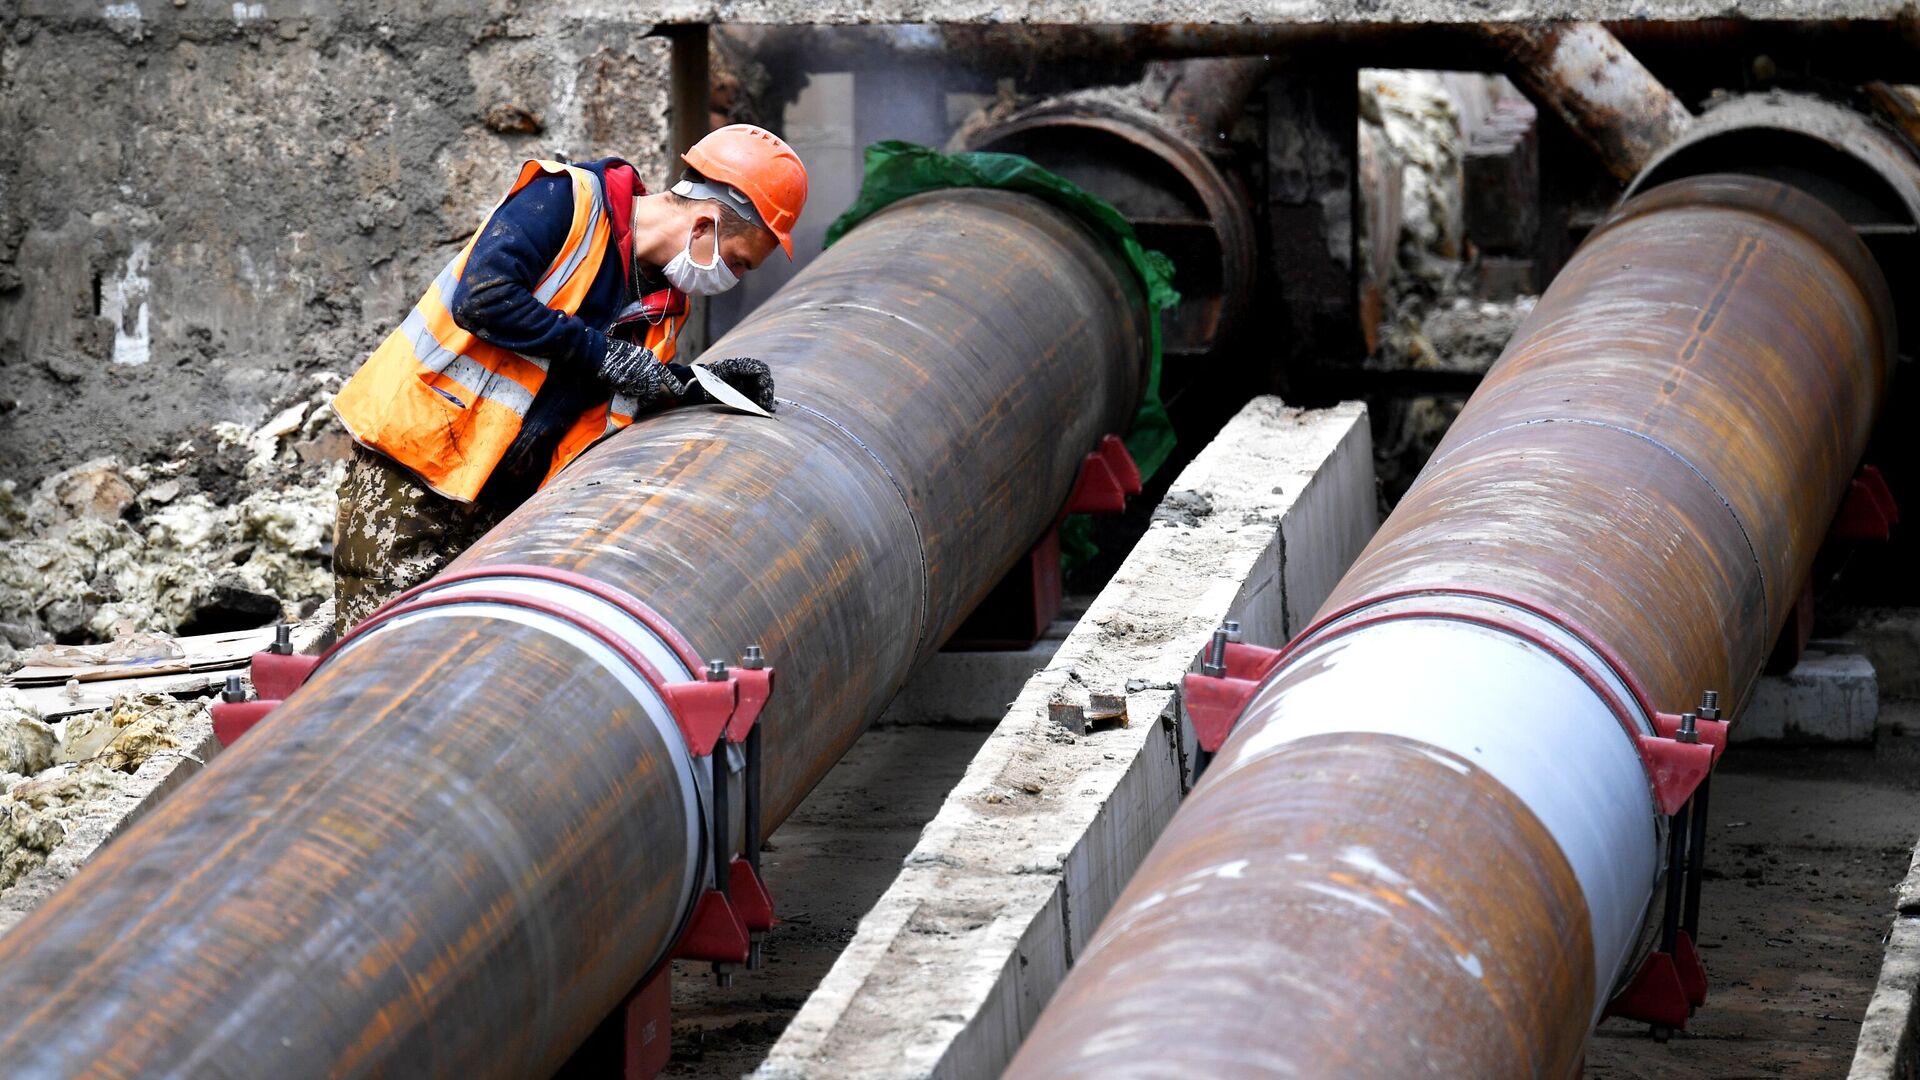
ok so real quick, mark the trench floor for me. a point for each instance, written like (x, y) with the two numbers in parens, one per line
(829, 863)
(1807, 846)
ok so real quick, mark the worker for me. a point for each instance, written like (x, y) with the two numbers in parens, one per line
(553, 328)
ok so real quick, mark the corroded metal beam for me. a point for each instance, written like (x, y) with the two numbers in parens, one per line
(1606, 97)
(456, 848)
(1431, 842)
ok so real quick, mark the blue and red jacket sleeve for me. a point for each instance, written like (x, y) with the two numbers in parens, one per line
(494, 300)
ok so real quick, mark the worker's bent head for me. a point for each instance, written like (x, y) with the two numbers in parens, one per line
(741, 196)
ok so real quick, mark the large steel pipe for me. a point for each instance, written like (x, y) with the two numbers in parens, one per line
(1152, 149)
(1430, 844)
(456, 848)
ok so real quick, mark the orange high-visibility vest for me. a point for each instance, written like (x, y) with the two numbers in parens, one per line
(447, 405)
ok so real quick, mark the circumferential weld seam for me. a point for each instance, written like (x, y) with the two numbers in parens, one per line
(919, 538)
(1766, 602)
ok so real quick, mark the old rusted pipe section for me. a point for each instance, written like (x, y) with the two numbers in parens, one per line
(1432, 841)
(473, 831)
(1155, 150)
(1584, 75)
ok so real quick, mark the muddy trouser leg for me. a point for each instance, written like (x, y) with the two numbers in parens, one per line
(392, 533)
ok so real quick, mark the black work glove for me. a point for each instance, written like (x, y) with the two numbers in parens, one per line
(633, 370)
(743, 373)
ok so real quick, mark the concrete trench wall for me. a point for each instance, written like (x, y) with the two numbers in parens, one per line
(203, 201)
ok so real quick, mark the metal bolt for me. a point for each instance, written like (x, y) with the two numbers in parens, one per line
(1215, 664)
(1689, 730)
(1232, 627)
(235, 690)
(282, 640)
(723, 975)
(753, 659)
(1710, 705)
(716, 671)
(753, 950)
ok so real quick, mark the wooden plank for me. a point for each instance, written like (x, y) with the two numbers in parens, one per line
(204, 652)
(56, 702)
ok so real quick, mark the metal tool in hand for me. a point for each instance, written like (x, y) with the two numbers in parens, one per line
(725, 394)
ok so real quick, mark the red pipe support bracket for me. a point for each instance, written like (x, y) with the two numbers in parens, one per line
(1867, 512)
(1107, 477)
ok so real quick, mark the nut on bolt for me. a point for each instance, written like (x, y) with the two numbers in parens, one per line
(716, 671)
(753, 659)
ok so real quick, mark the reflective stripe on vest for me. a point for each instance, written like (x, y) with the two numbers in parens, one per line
(447, 405)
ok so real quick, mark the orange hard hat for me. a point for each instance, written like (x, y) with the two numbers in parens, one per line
(763, 168)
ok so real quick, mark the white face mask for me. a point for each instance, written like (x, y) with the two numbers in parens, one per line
(696, 279)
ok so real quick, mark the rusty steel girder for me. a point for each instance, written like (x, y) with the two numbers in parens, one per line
(1431, 843)
(471, 833)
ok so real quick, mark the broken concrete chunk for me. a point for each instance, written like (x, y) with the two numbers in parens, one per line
(94, 489)
(26, 743)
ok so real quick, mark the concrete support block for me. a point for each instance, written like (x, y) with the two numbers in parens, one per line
(1828, 697)
(952, 966)
(1889, 1046)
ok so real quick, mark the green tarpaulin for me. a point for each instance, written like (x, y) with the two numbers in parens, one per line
(895, 170)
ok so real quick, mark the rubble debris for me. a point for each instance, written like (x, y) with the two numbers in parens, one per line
(52, 775)
(35, 815)
(125, 734)
(234, 534)
(1432, 318)
(1409, 117)
(26, 742)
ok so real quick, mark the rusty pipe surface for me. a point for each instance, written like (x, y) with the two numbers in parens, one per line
(457, 848)
(1430, 844)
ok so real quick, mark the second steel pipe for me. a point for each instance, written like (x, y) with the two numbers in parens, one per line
(1430, 844)
(454, 850)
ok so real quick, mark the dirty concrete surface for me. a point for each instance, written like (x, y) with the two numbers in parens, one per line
(826, 866)
(1807, 846)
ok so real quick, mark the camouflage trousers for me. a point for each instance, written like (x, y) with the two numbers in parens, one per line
(392, 533)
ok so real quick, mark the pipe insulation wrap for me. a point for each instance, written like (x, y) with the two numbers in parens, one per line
(458, 846)
(1429, 846)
